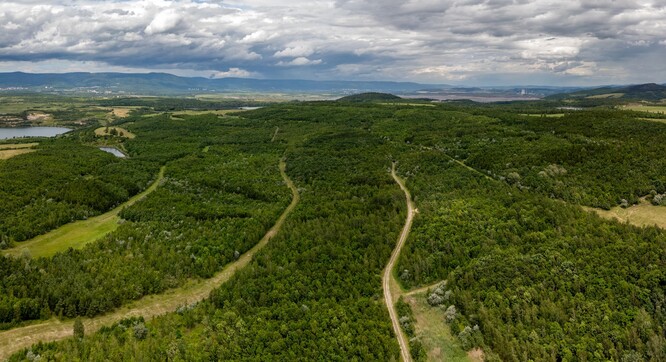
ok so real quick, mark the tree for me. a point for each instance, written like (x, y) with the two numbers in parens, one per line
(79, 330)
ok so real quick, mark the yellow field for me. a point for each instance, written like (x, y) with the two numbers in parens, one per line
(121, 112)
(17, 146)
(642, 108)
(643, 214)
(102, 132)
(606, 96)
(7, 154)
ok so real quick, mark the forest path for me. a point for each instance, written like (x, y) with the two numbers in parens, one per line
(424, 289)
(387, 278)
(13, 340)
(79, 233)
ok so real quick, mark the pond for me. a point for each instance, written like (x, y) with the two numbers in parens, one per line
(21, 132)
(114, 151)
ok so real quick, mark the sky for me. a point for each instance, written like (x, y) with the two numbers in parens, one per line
(461, 42)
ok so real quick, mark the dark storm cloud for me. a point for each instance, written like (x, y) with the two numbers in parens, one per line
(427, 40)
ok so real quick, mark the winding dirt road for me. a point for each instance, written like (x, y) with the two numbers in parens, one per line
(13, 340)
(388, 271)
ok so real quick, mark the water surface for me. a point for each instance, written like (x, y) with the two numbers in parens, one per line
(21, 132)
(114, 151)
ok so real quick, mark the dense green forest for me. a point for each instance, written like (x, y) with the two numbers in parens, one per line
(212, 206)
(531, 276)
(61, 182)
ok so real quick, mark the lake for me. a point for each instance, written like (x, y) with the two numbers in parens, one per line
(21, 132)
(113, 151)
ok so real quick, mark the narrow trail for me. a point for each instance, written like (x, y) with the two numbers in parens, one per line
(79, 233)
(13, 340)
(387, 278)
(423, 289)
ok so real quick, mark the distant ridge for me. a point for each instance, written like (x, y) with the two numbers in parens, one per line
(369, 97)
(639, 92)
(168, 84)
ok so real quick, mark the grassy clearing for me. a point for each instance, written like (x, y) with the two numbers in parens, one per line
(220, 112)
(18, 146)
(606, 96)
(649, 109)
(106, 131)
(643, 214)
(553, 115)
(408, 104)
(7, 154)
(434, 333)
(121, 112)
(149, 307)
(78, 234)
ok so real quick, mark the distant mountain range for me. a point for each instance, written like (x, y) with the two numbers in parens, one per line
(168, 84)
(640, 92)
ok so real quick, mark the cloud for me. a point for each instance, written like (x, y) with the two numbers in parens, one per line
(164, 21)
(463, 41)
(233, 73)
(300, 61)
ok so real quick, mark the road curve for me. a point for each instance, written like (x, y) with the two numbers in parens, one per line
(388, 271)
(13, 340)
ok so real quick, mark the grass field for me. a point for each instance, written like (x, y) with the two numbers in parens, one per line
(17, 146)
(434, 333)
(643, 214)
(642, 108)
(548, 115)
(197, 113)
(7, 154)
(606, 96)
(79, 233)
(102, 132)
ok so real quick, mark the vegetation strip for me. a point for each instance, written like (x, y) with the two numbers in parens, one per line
(151, 306)
(79, 233)
(388, 272)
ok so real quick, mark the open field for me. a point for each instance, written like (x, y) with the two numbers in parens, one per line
(79, 233)
(643, 214)
(434, 334)
(547, 115)
(17, 146)
(642, 108)
(121, 112)
(7, 154)
(102, 131)
(197, 113)
(606, 96)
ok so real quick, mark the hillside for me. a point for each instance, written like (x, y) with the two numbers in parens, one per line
(640, 92)
(369, 97)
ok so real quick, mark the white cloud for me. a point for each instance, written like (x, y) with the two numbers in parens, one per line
(300, 61)
(233, 73)
(164, 21)
(423, 40)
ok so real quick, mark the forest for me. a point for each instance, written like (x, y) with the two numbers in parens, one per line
(530, 274)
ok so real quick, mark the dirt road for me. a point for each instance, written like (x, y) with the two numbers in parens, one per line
(149, 307)
(388, 271)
